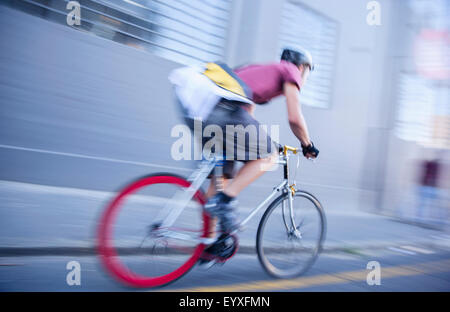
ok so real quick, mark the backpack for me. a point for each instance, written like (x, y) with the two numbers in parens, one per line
(200, 88)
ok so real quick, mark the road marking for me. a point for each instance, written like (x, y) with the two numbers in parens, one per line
(129, 162)
(327, 279)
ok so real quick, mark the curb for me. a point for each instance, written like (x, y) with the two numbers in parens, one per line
(246, 249)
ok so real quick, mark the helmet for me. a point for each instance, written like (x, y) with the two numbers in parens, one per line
(298, 57)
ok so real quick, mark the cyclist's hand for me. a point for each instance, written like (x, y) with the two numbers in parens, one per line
(310, 151)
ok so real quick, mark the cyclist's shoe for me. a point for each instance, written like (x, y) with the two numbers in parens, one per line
(223, 207)
(220, 251)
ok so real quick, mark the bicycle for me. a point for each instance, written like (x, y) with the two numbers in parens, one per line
(124, 262)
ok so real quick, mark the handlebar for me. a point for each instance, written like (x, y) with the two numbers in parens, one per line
(286, 148)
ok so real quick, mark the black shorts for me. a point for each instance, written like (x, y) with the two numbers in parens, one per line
(243, 138)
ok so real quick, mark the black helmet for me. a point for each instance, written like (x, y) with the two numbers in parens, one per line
(298, 57)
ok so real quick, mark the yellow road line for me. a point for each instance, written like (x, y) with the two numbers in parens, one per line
(327, 279)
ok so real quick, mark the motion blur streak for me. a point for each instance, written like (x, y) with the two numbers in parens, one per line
(85, 109)
(327, 279)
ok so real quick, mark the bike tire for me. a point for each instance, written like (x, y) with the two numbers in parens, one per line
(108, 253)
(265, 263)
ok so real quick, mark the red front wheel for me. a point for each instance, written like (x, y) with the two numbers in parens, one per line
(131, 245)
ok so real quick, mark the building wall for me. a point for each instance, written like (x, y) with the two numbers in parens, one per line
(69, 92)
(398, 195)
(351, 133)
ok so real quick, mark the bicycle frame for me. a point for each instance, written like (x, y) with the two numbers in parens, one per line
(183, 197)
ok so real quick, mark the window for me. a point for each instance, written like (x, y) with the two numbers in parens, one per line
(301, 26)
(415, 108)
(423, 112)
(423, 90)
(185, 31)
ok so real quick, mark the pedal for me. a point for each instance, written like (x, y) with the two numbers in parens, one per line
(224, 257)
(207, 260)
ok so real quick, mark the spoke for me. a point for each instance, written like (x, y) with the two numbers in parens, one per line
(290, 251)
(143, 240)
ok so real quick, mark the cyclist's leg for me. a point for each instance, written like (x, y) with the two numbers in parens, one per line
(251, 171)
(257, 157)
(210, 193)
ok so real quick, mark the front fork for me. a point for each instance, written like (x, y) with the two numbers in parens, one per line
(291, 227)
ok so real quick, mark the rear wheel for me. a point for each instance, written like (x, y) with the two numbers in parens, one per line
(286, 250)
(133, 248)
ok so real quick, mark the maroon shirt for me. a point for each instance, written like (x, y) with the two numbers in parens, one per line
(266, 80)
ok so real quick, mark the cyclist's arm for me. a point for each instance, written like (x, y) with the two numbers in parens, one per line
(295, 116)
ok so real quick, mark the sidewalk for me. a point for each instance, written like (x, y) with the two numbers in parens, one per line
(36, 219)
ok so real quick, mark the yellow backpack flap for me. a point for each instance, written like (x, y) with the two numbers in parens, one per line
(225, 78)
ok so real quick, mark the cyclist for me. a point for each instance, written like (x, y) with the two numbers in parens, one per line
(233, 103)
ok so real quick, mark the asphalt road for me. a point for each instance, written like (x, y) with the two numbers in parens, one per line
(428, 270)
